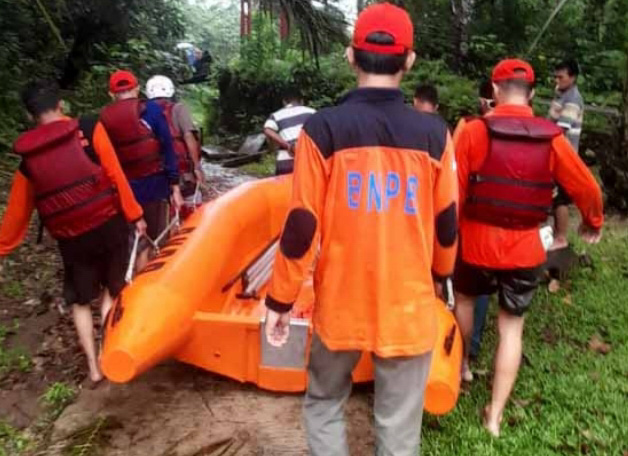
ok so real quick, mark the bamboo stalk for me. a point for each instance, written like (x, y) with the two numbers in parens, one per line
(51, 24)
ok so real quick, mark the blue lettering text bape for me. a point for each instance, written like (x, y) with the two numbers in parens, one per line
(381, 192)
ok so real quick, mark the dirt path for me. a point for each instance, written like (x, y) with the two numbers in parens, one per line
(177, 410)
(173, 410)
(37, 341)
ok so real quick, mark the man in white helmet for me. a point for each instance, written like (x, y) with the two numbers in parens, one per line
(184, 134)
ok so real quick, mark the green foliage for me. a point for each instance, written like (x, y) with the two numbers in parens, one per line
(12, 359)
(252, 86)
(568, 399)
(248, 95)
(457, 95)
(263, 168)
(12, 289)
(214, 27)
(317, 29)
(77, 42)
(58, 396)
(12, 441)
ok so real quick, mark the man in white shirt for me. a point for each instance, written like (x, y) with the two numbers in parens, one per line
(283, 128)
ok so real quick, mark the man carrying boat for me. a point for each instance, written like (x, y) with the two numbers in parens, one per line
(375, 184)
(140, 134)
(508, 163)
(283, 128)
(70, 174)
(185, 137)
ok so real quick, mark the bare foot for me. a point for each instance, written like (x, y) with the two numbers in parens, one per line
(559, 243)
(95, 375)
(466, 374)
(491, 423)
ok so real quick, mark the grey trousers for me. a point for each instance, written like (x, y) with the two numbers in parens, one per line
(398, 409)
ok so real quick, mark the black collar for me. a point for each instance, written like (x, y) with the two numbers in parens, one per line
(373, 95)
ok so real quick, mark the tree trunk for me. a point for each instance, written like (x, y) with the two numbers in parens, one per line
(284, 26)
(625, 108)
(245, 18)
(463, 14)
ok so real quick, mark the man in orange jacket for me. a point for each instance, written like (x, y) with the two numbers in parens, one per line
(70, 174)
(375, 186)
(508, 163)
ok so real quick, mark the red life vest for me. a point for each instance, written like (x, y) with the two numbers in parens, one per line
(73, 194)
(137, 148)
(186, 166)
(513, 187)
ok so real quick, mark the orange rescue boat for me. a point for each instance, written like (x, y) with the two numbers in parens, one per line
(201, 301)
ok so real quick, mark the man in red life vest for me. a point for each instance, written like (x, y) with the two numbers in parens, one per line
(508, 163)
(141, 137)
(70, 174)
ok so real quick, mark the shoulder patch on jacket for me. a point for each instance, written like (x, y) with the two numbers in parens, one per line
(298, 233)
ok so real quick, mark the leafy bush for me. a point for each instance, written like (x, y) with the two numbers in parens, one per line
(77, 42)
(458, 95)
(58, 396)
(12, 359)
(12, 441)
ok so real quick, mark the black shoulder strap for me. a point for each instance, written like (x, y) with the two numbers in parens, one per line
(87, 125)
(23, 169)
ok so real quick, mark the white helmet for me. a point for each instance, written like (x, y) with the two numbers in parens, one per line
(159, 87)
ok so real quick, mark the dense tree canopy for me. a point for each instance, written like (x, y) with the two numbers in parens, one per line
(76, 42)
(79, 42)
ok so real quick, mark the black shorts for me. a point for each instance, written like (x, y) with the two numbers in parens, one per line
(156, 215)
(95, 260)
(515, 287)
(284, 167)
(561, 198)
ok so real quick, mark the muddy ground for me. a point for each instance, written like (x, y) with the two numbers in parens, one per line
(173, 410)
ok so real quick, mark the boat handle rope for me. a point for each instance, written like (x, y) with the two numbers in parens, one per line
(176, 221)
(450, 294)
(128, 277)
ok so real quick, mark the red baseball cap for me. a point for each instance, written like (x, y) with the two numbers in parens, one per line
(385, 18)
(121, 81)
(510, 69)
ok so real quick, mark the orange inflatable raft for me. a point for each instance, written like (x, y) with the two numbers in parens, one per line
(201, 301)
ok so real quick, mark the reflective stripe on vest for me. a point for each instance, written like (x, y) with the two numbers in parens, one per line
(513, 187)
(73, 194)
(137, 148)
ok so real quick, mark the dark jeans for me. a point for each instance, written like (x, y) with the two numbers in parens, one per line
(479, 320)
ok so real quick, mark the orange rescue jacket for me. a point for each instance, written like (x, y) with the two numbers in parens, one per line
(375, 186)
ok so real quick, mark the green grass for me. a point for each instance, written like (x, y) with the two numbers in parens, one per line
(12, 358)
(90, 440)
(57, 397)
(569, 399)
(12, 441)
(263, 168)
(12, 289)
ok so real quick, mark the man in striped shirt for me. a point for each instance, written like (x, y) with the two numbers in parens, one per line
(567, 111)
(283, 128)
